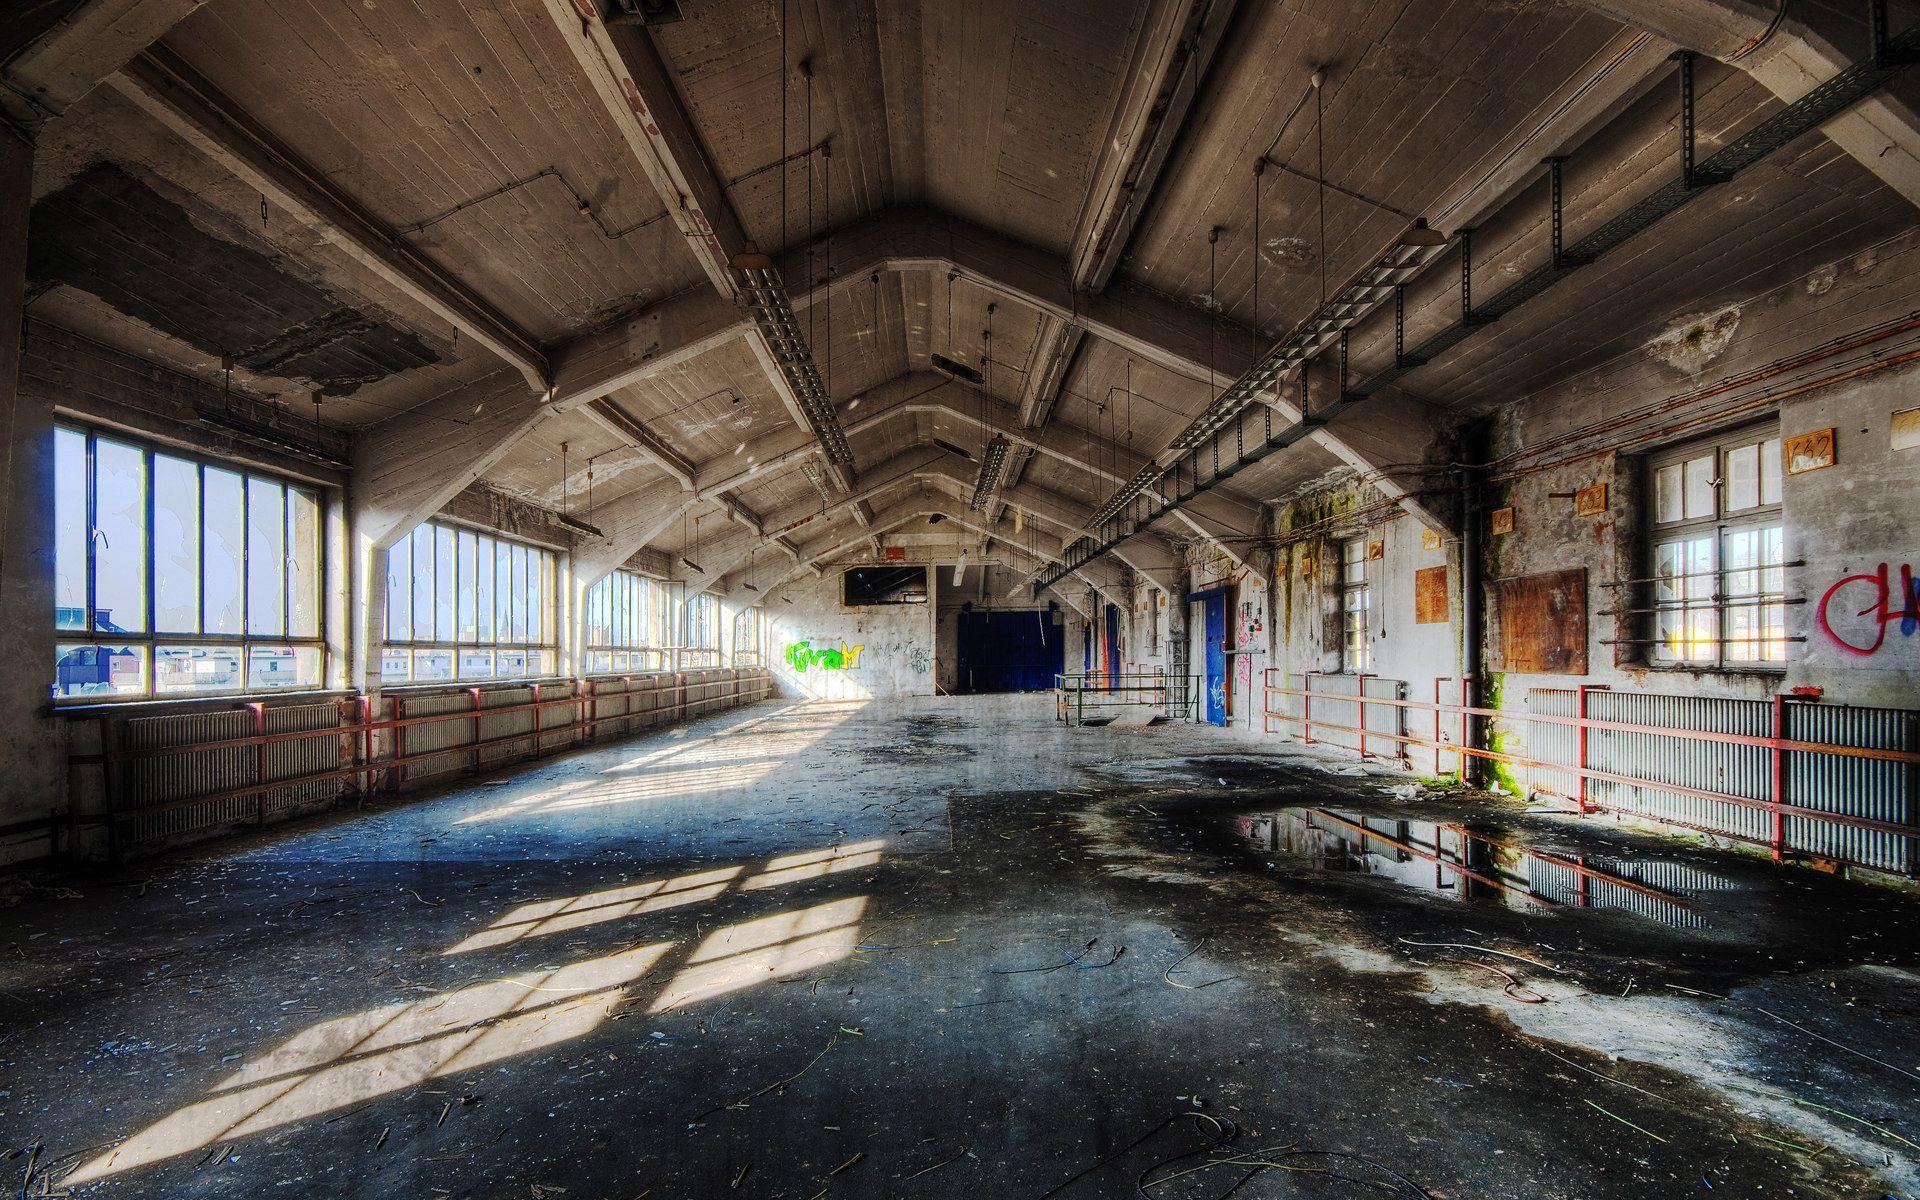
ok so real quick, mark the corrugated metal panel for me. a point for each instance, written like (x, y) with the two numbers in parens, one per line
(144, 789)
(1856, 787)
(1861, 787)
(1335, 701)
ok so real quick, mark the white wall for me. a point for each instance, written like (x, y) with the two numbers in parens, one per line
(896, 642)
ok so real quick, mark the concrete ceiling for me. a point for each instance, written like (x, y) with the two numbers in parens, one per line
(475, 145)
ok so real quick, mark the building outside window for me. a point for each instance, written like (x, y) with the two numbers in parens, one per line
(703, 632)
(1356, 603)
(179, 576)
(462, 604)
(1716, 555)
(626, 619)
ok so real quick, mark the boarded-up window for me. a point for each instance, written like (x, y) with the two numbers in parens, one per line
(1430, 596)
(1543, 623)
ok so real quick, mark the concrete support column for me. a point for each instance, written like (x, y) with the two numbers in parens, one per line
(33, 762)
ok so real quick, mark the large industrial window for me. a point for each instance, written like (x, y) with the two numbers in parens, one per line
(703, 632)
(626, 622)
(177, 576)
(467, 605)
(1717, 560)
(1356, 601)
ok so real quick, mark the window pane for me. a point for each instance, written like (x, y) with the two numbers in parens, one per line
(476, 663)
(422, 583)
(399, 593)
(1743, 478)
(503, 593)
(223, 551)
(278, 668)
(519, 593)
(536, 596)
(432, 666)
(303, 563)
(469, 562)
(1666, 493)
(196, 669)
(99, 670)
(1770, 471)
(483, 587)
(176, 548)
(266, 558)
(510, 664)
(120, 537)
(1699, 499)
(69, 529)
(443, 583)
(393, 666)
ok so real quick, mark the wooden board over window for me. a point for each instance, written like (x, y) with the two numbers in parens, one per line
(1430, 596)
(1543, 623)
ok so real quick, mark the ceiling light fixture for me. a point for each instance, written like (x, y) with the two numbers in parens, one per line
(1423, 235)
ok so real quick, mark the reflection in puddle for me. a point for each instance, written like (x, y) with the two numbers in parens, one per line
(1459, 863)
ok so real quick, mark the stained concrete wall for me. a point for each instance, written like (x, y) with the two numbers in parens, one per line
(896, 642)
(1824, 351)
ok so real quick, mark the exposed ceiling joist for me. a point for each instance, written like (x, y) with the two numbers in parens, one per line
(1175, 47)
(617, 421)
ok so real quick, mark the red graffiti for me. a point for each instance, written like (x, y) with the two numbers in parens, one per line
(1882, 608)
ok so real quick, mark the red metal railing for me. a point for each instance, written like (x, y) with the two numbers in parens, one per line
(1777, 744)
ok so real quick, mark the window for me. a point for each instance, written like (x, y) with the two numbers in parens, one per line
(176, 576)
(1356, 599)
(467, 605)
(884, 585)
(746, 637)
(1717, 564)
(703, 632)
(626, 618)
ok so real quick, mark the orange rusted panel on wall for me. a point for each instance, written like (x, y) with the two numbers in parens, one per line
(1543, 623)
(1430, 596)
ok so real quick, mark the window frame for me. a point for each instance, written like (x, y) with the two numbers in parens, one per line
(705, 651)
(150, 639)
(1717, 527)
(651, 602)
(753, 620)
(1356, 640)
(542, 558)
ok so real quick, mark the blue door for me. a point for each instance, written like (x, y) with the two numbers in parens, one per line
(1213, 629)
(1008, 651)
(1113, 646)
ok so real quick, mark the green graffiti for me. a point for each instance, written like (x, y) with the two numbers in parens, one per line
(802, 656)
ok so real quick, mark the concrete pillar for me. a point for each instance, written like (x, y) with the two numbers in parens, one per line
(33, 766)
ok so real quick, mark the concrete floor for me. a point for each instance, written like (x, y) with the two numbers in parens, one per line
(943, 948)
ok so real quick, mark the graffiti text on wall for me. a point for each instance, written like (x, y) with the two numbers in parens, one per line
(1883, 607)
(802, 655)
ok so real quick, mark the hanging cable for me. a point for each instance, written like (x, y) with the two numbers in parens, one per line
(783, 124)
(806, 73)
(1213, 311)
(1320, 171)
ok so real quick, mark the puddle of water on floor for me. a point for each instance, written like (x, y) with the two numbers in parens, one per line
(1476, 865)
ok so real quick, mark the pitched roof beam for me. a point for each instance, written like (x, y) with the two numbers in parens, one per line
(626, 72)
